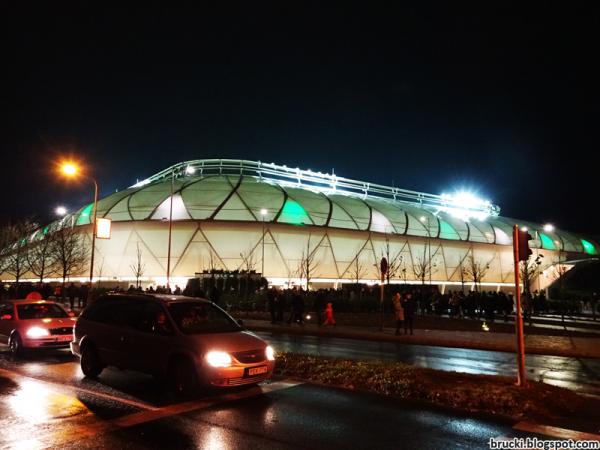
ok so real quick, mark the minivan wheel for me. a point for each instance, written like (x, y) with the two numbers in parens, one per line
(15, 345)
(182, 378)
(91, 366)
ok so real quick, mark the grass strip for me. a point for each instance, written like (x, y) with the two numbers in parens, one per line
(486, 394)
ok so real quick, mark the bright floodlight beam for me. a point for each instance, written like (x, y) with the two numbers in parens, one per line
(190, 170)
(548, 228)
(60, 210)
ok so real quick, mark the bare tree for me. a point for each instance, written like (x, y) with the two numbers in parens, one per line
(249, 265)
(529, 270)
(138, 267)
(14, 255)
(475, 270)
(40, 259)
(423, 267)
(308, 264)
(394, 260)
(69, 251)
(357, 268)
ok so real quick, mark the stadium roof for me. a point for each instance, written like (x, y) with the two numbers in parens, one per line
(237, 190)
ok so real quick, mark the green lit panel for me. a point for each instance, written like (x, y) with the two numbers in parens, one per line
(547, 242)
(45, 230)
(447, 231)
(588, 247)
(84, 215)
(294, 213)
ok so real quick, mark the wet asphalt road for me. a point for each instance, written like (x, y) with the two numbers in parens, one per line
(46, 403)
(579, 374)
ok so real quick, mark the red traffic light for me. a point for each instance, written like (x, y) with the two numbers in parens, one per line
(524, 250)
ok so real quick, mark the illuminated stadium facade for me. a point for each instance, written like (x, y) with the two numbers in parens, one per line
(228, 212)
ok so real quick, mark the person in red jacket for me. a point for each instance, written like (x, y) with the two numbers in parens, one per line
(329, 319)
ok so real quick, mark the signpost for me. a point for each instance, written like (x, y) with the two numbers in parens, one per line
(383, 266)
(519, 255)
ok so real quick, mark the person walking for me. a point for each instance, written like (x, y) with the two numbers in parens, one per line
(329, 319)
(272, 299)
(398, 312)
(409, 312)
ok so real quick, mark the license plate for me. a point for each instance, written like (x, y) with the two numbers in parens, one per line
(66, 338)
(257, 370)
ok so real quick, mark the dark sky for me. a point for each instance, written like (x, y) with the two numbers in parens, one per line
(502, 99)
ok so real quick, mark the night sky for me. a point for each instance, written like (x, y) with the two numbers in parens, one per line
(503, 100)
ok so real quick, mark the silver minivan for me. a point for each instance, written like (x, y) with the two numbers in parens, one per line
(186, 341)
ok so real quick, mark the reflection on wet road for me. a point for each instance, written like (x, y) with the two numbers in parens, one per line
(579, 374)
(39, 412)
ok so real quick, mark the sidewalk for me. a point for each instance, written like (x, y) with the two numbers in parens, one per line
(577, 347)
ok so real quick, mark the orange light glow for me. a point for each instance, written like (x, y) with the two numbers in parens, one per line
(69, 169)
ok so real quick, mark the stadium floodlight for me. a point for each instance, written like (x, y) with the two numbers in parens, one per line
(60, 211)
(190, 170)
(548, 228)
(466, 205)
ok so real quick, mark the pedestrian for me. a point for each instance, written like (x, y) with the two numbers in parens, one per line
(72, 293)
(297, 307)
(409, 311)
(272, 301)
(398, 312)
(329, 319)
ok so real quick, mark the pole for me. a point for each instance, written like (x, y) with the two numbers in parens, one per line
(170, 232)
(429, 251)
(381, 299)
(94, 213)
(262, 270)
(521, 376)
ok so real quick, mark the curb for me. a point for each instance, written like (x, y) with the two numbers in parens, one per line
(421, 340)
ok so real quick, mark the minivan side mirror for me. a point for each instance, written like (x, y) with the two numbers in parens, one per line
(240, 322)
(6, 317)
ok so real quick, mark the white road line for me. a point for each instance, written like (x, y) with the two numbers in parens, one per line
(16, 376)
(561, 433)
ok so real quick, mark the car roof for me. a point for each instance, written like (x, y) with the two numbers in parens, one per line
(22, 301)
(165, 298)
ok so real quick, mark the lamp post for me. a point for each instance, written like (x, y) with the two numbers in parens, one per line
(71, 170)
(263, 213)
(170, 232)
(428, 247)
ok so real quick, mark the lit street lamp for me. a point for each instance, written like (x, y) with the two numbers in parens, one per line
(71, 170)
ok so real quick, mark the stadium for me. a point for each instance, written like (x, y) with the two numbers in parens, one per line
(236, 215)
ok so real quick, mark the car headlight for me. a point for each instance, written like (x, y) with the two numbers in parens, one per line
(218, 359)
(37, 332)
(270, 353)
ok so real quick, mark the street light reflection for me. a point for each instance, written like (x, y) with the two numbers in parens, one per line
(35, 403)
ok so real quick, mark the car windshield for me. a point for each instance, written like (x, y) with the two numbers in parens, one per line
(41, 311)
(199, 318)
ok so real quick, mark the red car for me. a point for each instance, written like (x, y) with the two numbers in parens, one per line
(35, 324)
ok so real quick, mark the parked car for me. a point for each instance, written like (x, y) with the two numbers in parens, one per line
(35, 324)
(186, 341)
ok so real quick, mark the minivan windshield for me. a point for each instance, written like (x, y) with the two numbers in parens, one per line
(199, 318)
(41, 311)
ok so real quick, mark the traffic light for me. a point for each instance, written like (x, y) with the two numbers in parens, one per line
(524, 250)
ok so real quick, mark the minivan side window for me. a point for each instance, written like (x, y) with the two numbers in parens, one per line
(122, 312)
(154, 319)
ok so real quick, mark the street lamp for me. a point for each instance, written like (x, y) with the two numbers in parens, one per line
(71, 170)
(263, 213)
(426, 220)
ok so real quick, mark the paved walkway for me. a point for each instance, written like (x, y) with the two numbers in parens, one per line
(535, 344)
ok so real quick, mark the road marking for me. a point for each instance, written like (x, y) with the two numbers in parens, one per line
(181, 408)
(16, 376)
(561, 433)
